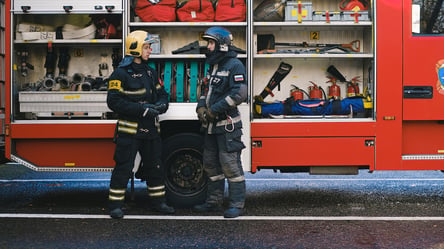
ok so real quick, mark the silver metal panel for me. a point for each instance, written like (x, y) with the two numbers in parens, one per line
(63, 102)
(58, 5)
(57, 169)
(423, 157)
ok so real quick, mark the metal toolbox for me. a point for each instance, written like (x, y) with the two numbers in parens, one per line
(355, 16)
(326, 16)
(298, 11)
(67, 6)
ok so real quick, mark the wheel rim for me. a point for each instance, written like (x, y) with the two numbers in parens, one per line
(184, 172)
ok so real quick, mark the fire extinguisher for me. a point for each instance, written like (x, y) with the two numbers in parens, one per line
(334, 91)
(353, 5)
(297, 94)
(353, 87)
(315, 91)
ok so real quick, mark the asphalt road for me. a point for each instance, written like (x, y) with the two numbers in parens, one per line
(378, 210)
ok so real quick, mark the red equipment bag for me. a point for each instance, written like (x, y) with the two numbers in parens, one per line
(195, 11)
(231, 11)
(156, 11)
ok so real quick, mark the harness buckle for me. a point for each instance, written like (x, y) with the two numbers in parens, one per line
(229, 126)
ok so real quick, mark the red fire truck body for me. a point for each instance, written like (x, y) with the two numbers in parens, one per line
(404, 130)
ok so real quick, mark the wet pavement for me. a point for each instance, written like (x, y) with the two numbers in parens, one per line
(379, 210)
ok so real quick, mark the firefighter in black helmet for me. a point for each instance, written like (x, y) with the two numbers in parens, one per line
(136, 95)
(217, 110)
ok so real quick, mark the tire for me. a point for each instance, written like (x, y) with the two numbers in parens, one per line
(185, 178)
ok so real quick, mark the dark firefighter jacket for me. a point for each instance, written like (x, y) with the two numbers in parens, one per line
(129, 88)
(226, 89)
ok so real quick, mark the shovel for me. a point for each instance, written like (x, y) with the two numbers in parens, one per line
(268, 42)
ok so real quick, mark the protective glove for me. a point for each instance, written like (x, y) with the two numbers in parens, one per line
(161, 108)
(150, 111)
(211, 117)
(201, 114)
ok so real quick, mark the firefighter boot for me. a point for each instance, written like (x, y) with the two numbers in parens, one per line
(236, 195)
(116, 213)
(116, 200)
(215, 193)
(158, 200)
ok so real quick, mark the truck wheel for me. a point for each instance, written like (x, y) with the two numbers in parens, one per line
(186, 181)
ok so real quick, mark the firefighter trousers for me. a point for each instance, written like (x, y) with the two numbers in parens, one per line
(152, 170)
(220, 163)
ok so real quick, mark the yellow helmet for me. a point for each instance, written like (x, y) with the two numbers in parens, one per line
(135, 40)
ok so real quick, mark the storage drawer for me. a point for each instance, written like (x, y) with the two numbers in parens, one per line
(313, 151)
(64, 101)
(62, 6)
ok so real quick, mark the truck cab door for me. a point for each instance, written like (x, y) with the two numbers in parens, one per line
(423, 85)
(423, 67)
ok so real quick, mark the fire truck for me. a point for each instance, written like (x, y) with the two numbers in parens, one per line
(335, 86)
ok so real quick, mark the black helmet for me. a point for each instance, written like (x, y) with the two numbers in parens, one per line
(221, 36)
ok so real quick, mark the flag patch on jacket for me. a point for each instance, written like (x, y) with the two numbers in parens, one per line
(239, 77)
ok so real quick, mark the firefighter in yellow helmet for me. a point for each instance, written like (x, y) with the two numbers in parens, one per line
(137, 96)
